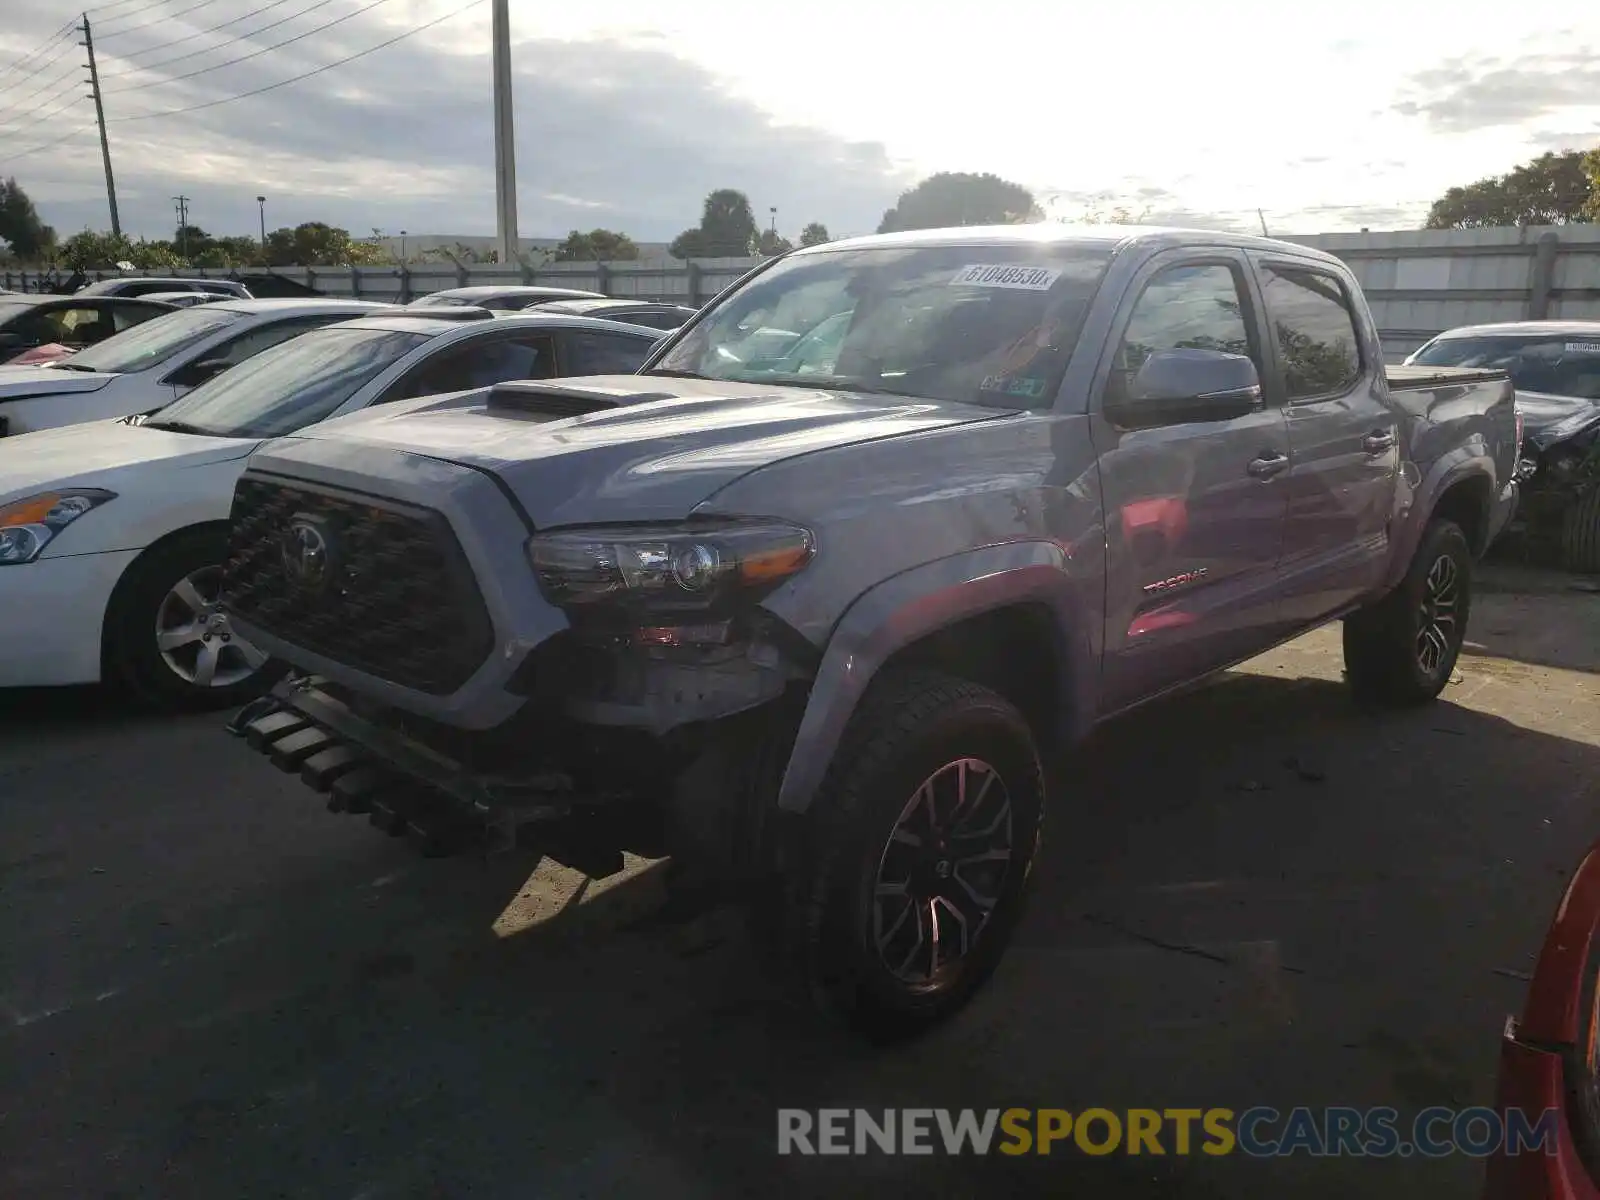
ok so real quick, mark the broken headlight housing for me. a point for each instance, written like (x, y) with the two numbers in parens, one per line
(670, 575)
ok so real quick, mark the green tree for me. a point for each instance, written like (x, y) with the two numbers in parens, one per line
(814, 234)
(1553, 189)
(317, 244)
(727, 229)
(771, 244)
(1591, 168)
(959, 198)
(598, 245)
(20, 226)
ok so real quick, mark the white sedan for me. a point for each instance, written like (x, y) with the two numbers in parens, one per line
(152, 364)
(112, 533)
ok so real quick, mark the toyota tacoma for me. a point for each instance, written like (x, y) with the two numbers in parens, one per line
(809, 602)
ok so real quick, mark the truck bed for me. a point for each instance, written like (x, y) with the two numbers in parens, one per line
(1420, 377)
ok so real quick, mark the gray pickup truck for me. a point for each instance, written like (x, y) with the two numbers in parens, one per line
(808, 603)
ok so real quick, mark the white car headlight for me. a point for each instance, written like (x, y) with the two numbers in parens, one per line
(27, 526)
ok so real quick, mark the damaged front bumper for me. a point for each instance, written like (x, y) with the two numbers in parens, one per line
(405, 786)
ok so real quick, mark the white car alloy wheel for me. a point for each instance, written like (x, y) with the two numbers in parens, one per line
(195, 639)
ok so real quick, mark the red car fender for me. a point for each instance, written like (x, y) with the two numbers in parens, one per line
(1536, 1050)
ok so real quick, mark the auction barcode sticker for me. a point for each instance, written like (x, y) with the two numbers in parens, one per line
(1583, 347)
(1004, 275)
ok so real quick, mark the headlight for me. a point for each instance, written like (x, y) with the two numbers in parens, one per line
(665, 570)
(28, 526)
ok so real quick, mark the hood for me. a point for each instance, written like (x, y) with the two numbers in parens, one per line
(102, 454)
(41, 381)
(655, 448)
(1547, 419)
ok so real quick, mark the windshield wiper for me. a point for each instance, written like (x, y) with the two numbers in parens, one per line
(178, 427)
(63, 365)
(671, 373)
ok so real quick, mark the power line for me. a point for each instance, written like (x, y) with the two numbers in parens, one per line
(65, 49)
(160, 16)
(70, 72)
(73, 86)
(308, 74)
(43, 118)
(139, 87)
(49, 42)
(209, 49)
(191, 37)
(50, 145)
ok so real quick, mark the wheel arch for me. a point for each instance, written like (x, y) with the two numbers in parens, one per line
(120, 591)
(1009, 616)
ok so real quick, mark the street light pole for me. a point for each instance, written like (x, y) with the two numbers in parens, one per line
(505, 159)
(261, 205)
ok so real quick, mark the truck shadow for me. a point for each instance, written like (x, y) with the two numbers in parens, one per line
(1253, 893)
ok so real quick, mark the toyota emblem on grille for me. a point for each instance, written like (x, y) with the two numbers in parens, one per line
(306, 555)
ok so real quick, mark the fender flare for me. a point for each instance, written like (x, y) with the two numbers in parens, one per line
(1448, 471)
(909, 606)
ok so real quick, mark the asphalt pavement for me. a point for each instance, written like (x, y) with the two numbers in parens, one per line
(1251, 894)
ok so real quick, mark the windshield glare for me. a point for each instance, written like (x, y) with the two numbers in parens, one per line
(295, 384)
(153, 342)
(1557, 365)
(979, 324)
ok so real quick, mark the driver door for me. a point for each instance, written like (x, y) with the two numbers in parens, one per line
(1195, 509)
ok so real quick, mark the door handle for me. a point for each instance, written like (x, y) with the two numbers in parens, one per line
(1268, 465)
(1378, 441)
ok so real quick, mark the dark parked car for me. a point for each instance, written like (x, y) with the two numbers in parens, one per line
(29, 322)
(805, 615)
(1555, 366)
(634, 312)
(500, 299)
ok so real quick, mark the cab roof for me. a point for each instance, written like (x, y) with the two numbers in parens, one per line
(1056, 233)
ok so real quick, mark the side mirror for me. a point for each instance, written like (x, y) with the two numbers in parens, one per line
(197, 373)
(1174, 387)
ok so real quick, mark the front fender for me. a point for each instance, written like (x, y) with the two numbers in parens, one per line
(908, 607)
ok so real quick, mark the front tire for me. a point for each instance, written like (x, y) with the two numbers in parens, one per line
(167, 643)
(917, 853)
(1401, 651)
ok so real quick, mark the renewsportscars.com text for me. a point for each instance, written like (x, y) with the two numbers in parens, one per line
(1255, 1132)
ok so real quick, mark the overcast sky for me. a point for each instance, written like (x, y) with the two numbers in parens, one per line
(628, 113)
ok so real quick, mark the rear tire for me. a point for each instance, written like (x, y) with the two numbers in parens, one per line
(1401, 651)
(914, 860)
(165, 642)
(1580, 533)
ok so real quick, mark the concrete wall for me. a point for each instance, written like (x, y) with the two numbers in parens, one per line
(1418, 282)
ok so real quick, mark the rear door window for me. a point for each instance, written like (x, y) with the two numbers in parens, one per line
(480, 364)
(1315, 330)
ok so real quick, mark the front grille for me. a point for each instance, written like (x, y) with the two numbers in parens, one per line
(394, 597)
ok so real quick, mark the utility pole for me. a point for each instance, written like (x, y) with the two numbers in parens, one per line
(1263, 218)
(505, 159)
(183, 225)
(261, 205)
(100, 116)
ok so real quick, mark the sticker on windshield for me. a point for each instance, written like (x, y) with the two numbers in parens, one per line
(1583, 347)
(1003, 275)
(1013, 386)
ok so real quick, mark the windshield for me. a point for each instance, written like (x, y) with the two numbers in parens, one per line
(153, 342)
(979, 324)
(292, 385)
(1556, 364)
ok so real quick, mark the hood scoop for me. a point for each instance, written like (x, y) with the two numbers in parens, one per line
(556, 401)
